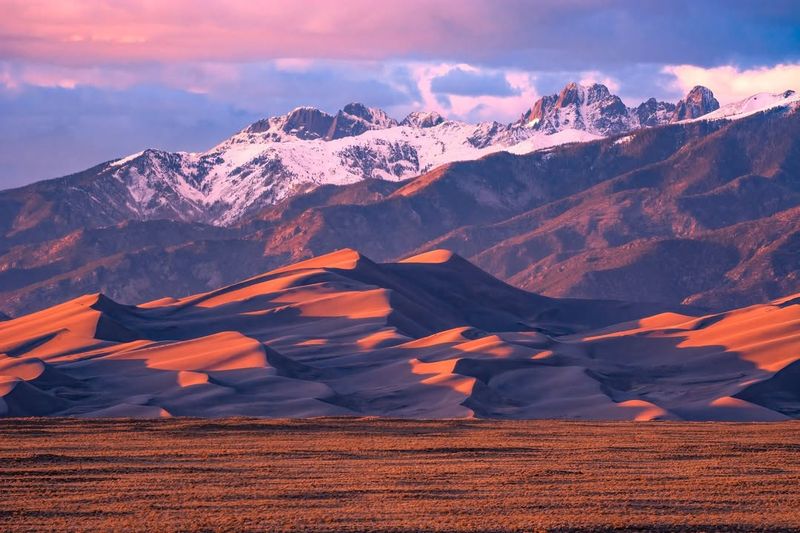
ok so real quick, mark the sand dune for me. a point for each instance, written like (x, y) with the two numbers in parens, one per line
(429, 337)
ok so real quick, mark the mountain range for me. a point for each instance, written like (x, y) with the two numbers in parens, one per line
(688, 203)
(430, 336)
(279, 157)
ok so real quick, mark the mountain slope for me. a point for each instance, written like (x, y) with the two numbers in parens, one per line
(428, 337)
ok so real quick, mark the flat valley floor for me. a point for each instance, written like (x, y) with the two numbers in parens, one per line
(389, 475)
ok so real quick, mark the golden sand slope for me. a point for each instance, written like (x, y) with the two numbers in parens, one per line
(429, 337)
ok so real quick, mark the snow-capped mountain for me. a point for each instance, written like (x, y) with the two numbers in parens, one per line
(595, 110)
(754, 104)
(308, 123)
(258, 167)
(278, 157)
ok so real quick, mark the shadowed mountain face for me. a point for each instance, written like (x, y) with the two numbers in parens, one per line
(702, 212)
(431, 336)
(700, 101)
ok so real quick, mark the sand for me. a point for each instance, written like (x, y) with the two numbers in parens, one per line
(428, 337)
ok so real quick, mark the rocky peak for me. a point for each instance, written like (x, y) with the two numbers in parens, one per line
(309, 123)
(305, 123)
(422, 119)
(700, 101)
(651, 113)
(541, 107)
(355, 119)
(574, 94)
(590, 108)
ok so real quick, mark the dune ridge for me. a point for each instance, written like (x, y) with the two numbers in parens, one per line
(431, 336)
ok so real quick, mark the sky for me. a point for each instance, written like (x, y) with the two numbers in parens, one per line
(86, 81)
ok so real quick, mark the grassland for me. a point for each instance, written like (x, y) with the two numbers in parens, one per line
(356, 475)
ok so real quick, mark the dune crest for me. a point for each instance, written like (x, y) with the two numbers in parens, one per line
(434, 256)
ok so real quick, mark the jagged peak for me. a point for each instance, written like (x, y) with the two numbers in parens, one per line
(423, 119)
(574, 93)
(357, 109)
(373, 115)
(698, 101)
(701, 90)
(591, 108)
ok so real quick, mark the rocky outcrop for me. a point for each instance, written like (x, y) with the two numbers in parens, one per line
(700, 101)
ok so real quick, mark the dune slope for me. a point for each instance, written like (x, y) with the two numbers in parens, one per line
(431, 336)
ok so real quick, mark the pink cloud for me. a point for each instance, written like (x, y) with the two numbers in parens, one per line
(475, 108)
(731, 84)
(92, 31)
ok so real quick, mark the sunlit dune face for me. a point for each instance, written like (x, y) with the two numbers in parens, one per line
(651, 323)
(380, 339)
(312, 342)
(261, 286)
(442, 375)
(434, 256)
(223, 351)
(187, 378)
(728, 401)
(767, 336)
(77, 316)
(494, 346)
(646, 410)
(66, 345)
(24, 369)
(345, 259)
(665, 320)
(161, 302)
(347, 304)
(450, 336)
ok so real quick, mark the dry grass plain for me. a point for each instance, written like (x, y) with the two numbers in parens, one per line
(383, 475)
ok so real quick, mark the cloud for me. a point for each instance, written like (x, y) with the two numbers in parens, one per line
(89, 80)
(468, 101)
(51, 131)
(463, 82)
(594, 76)
(266, 87)
(545, 35)
(730, 83)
